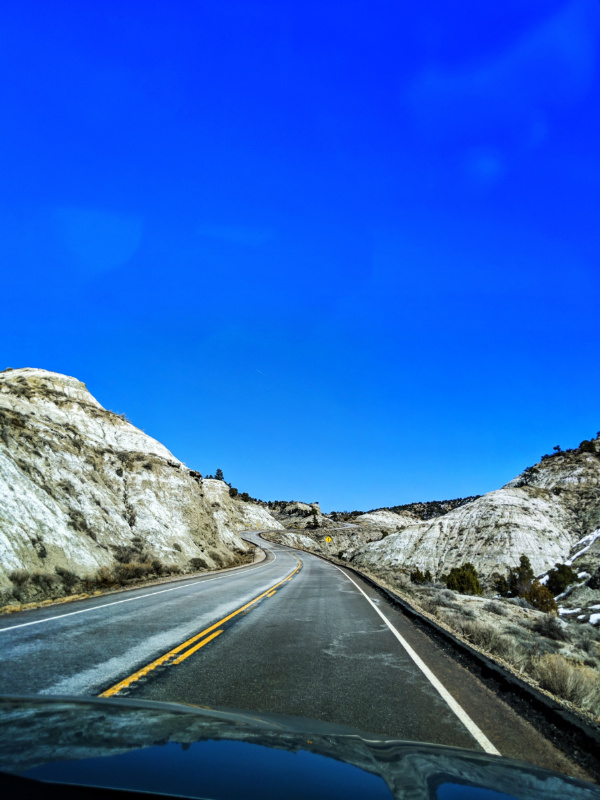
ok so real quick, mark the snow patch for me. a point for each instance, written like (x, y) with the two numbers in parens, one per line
(589, 539)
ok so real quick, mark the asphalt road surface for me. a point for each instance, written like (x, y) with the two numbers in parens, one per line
(293, 635)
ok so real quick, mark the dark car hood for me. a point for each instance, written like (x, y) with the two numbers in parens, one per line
(186, 751)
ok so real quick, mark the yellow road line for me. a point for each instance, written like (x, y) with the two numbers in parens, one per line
(272, 593)
(118, 687)
(183, 656)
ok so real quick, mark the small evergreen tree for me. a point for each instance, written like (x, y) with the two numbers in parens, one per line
(541, 598)
(416, 576)
(559, 578)
(520, 578)
(501, 585)
(219, 475)
(232, 492)
(464, 580)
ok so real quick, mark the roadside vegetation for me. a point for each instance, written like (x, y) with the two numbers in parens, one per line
(134, 565)
(521, 582)
(518, 626)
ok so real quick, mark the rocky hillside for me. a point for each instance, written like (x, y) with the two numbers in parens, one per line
(386, 520)
(82, 489)
(542, 513)
(298, 515)
(550, 513)
(432, 508)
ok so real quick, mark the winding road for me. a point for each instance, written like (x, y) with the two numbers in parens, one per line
(292, 635)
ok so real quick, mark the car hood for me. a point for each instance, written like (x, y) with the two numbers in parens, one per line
(186, 751)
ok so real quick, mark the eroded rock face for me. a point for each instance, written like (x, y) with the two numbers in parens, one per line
(78, 482)
(337, 542)
(387, 520)
(298, 515)
(542, 513)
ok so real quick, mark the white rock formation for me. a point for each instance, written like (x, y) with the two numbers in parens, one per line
(389, 520)
(329, 542)
(541, 513)
(298, 515)
(78, 482)
(235, 514)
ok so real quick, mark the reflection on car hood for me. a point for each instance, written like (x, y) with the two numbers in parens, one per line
(195, 752)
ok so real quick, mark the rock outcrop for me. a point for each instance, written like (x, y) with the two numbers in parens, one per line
(81, 488)
(542, 513)
(550, 513)
(386, 520)
(298, 515)
(336, 542)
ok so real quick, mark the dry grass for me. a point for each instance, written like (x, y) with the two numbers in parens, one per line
(550, 627)
(576, 683)
(497, 608)
(33, 588)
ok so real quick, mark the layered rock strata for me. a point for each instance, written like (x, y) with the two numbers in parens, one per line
(82, 488)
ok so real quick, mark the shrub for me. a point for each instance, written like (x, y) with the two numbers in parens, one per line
(479, 633)
(490, 639)
(559, 578)
(496, 608)
(198, 563)
(177, 547)
(104, 577)
(127, 553)
(587, 447)
(521, 602)
(573, 682)
(217, 558)
(594, 581)
(519, 580)
(158, 567)
(68, 577)
(500, 584)
(428, 604)
(445, 599)
(541, 598)
(464, 580)
(551, 628)
(45, 581)
(19, 577)
(233, 491)
(133, 570)
(417, 576)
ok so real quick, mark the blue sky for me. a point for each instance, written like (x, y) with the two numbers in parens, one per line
(344, 251)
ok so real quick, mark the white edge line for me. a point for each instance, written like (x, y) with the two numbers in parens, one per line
(117, 602)
(466, 720)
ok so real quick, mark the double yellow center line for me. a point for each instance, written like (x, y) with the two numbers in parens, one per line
(203, 636)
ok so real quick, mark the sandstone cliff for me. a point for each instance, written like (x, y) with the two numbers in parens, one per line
(81, 488)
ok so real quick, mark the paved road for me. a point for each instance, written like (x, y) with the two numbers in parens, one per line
(292, 635)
